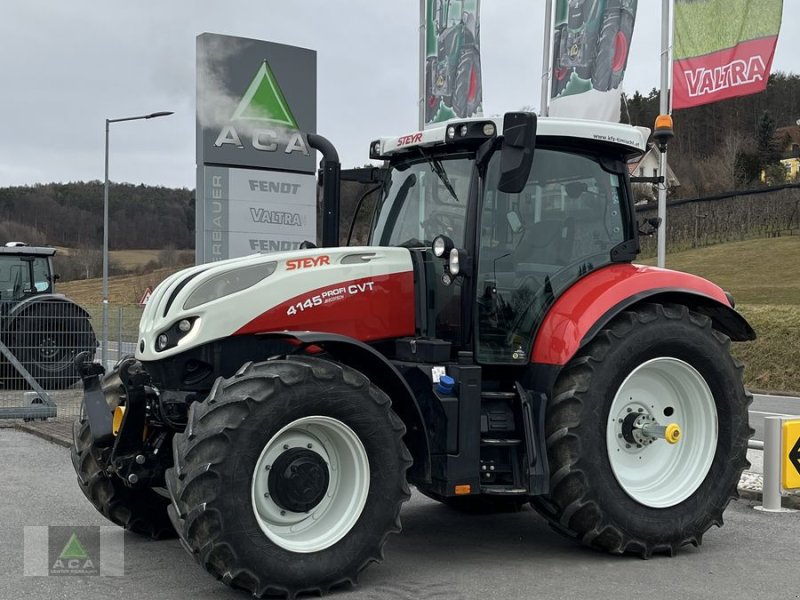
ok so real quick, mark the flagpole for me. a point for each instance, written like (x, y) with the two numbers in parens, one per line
(422, 59)
(547, 61)
(664, 109)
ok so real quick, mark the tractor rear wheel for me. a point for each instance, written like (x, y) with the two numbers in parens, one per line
(613, 48)
(140, 510)
(289, 477)
(647, 433)
(46, 342)
(467, 94)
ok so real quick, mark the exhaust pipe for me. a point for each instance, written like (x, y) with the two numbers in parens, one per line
(331, 168)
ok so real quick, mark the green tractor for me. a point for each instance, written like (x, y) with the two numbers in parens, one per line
(43, 330)
(592, 40)
(453, 71)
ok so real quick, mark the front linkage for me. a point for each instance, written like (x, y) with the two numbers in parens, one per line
(123, 411)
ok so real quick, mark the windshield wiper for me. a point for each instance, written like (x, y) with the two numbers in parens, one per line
(436, 167)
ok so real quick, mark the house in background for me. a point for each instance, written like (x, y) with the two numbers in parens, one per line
(649, 166)
(789, 143)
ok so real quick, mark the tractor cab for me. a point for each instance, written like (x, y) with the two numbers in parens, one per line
(25, 271)
(503, 230)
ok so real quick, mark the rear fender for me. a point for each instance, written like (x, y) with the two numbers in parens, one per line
(381, 372)
(30, 304)
(590, 304)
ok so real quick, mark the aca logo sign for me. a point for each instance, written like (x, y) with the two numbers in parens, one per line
(264, 102)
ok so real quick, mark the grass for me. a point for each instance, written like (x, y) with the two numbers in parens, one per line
(743, 20)
(764, 277)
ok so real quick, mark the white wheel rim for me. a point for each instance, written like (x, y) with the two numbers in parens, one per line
(660, 474)
(336, 514)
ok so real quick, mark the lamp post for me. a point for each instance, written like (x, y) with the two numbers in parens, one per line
(104, 349)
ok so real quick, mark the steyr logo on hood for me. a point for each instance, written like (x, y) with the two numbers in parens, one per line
(265, 102)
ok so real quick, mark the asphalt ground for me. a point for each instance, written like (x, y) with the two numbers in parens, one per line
(440, 554)
(765, 405)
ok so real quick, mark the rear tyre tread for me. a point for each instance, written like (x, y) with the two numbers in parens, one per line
(581, 517)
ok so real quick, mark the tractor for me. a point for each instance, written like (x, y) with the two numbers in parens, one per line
(592, 40)
(453, 73)
(44, 331)
(493, 345)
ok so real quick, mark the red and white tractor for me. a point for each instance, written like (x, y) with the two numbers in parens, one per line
(493, 345)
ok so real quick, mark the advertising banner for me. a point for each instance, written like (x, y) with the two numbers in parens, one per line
(722, 49)
(251, 210)
(452, 60)
(591, 43)
(256, 101)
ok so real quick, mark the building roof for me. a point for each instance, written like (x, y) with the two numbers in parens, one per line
(788, 136)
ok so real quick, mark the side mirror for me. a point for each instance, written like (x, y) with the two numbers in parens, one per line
(516, 159)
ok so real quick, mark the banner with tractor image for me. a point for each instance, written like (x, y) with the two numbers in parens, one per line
(452, 60)
(591, 42)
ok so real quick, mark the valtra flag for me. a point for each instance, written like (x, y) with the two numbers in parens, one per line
(722, 49)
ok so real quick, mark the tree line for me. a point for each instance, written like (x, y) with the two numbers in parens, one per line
(726, 145)
(71, 215)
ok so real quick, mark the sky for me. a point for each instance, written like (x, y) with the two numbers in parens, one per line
(67, 66)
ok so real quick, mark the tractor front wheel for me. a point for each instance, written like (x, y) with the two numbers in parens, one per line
(647, 433)
(289, 477)
(140, 510)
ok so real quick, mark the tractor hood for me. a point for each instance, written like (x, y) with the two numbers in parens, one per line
(364, 292)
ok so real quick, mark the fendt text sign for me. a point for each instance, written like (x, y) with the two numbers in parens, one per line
(249, 210)
(256, 102)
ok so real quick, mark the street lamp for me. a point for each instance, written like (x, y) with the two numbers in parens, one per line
(104, 349)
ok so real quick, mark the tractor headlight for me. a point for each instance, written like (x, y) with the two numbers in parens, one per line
(441, 245)
(170, 338)
(162, 342)
(453, 265)
(451, 132)
(229, 283)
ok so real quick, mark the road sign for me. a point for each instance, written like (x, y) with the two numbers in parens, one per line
(791, 454)
(145, 297)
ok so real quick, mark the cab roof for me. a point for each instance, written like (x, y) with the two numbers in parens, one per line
(631, 140)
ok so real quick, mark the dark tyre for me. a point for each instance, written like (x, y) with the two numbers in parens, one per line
(47, 342)
(480, 504)
(467, 96)
(141, 511)
(560, 75)
(289, 477)
(613, 47)
(617, 484)
(431, 100)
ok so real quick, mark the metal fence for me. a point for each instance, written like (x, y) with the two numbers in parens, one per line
(39, 341)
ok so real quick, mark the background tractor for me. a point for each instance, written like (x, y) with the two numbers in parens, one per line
(453, 73)
(44, 330)
(493, 345)
(592, 40)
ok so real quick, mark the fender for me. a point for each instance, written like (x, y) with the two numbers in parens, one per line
(27, 303)
(382, 373)
(580, 312)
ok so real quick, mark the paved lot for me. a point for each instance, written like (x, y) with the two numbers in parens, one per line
(771, 406)
(440, 554)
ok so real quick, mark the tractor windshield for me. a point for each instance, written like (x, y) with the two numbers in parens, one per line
(22, 276)
(537, 243)
(423, 198)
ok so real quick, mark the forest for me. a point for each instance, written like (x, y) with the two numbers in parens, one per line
(726, 145)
